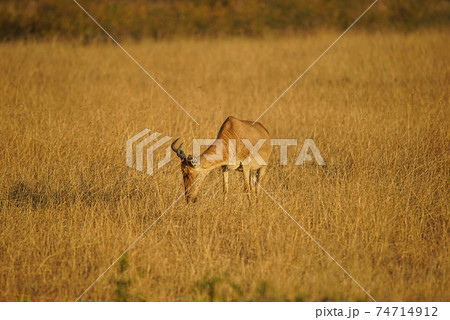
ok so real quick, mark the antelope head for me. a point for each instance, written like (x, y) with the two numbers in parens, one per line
(191, 172)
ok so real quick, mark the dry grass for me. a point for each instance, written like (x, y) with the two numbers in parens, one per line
(377, 107)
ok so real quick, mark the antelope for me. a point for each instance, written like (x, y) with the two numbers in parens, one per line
(232, 133)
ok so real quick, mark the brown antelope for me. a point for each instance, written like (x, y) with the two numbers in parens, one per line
(234, 137)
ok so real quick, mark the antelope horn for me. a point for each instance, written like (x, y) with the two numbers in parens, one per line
(178, 151)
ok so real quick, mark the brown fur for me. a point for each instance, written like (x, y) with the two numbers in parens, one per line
(236, 129)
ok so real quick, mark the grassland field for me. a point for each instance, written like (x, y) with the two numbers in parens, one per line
(376, 105)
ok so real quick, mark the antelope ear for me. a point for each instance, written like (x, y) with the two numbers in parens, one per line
(192, 161)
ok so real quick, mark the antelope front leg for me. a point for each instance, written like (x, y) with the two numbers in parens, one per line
(247, 181)
(261, 172)
(252, 181)
(225, 182)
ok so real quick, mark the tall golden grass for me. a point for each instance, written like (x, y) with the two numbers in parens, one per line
(377, 106)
